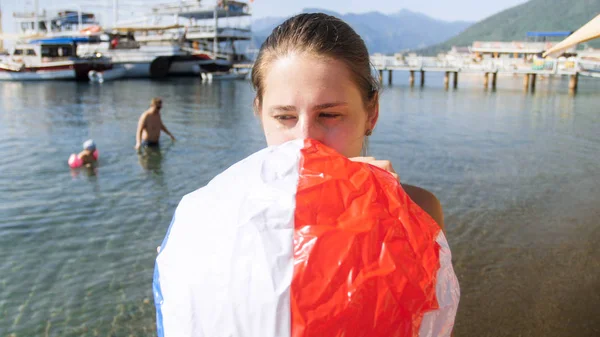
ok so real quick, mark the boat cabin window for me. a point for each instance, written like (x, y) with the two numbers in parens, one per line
(28, 26)
(30, 52)
(18, 52)
(57, 51)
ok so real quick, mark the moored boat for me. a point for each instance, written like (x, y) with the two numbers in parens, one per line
(49, 60)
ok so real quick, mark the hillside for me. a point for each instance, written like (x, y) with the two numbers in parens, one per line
(514, 23)
(382, 33)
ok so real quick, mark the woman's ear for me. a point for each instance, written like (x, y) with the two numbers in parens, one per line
(373, 113)
(256, 107)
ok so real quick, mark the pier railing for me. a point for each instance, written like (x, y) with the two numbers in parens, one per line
(452, 65)
(499, 65)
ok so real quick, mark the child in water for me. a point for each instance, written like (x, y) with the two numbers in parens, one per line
(88, 156)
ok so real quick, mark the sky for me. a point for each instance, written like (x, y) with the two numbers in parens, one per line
(466, 10)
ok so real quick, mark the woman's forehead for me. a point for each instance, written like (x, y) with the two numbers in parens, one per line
(304, 75)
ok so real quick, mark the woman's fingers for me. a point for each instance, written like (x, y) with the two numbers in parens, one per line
(362, 159)
(384, 164)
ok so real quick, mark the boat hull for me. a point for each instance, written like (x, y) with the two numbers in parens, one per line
(106, 75)
(37, 76)
(63, 70)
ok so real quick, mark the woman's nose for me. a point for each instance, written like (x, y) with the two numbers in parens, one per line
(307, 128)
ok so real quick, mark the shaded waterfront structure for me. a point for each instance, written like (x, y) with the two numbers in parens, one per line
(528, 58)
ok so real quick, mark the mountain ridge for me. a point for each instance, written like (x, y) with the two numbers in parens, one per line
(382, 33)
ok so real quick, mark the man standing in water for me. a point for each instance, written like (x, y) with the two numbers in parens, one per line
(150, 125)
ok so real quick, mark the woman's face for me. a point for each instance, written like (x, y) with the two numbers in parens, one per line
(306, 96)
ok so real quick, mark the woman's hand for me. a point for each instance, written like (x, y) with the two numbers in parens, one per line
(384, 164)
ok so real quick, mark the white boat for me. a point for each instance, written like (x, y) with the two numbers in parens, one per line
(153, 50)
(180, 38)
(138, 60)
(48, 61)
(207, 31)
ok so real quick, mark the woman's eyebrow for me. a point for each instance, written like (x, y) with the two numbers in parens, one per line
(283, 108)
(329, 105)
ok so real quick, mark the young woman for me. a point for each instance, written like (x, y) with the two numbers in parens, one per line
(313, 80)
(260, 258)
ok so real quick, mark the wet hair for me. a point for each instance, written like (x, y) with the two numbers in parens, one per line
(156, 101)
(322, 35)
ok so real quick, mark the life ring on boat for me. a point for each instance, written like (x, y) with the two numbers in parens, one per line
(95, 76)
(91, 30)
(75, 162)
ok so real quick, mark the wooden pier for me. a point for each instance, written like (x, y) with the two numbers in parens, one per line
(489, 68)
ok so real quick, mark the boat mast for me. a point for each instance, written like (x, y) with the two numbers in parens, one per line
(79, 18)
(115, 12)
(1, 39)
(36, 26)
(216, 38)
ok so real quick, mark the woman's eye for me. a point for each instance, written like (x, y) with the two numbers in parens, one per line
(284, 117)
(329, 115)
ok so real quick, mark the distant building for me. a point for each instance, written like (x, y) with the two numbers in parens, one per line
(460, 50)
(535, 44)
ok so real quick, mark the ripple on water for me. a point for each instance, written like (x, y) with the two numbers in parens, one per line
(517, 175)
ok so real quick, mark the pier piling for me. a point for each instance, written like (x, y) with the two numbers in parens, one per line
(446, 79)
(526, 82)
(573, 81)
(455, 84)
(449, 67)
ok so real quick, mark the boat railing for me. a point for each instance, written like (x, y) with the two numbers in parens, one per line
(127, 44)
(211, 29)
(220, 55)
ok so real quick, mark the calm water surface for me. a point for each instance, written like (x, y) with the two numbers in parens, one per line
(518, 175)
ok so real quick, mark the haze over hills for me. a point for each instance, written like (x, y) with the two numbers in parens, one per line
(383, 33)
(514, 23)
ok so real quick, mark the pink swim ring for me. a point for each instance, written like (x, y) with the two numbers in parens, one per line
(75, 161)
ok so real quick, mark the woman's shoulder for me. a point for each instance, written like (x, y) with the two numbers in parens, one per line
(427, 201)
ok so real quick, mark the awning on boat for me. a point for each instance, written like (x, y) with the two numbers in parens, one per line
(63, 40)
(589, 31)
